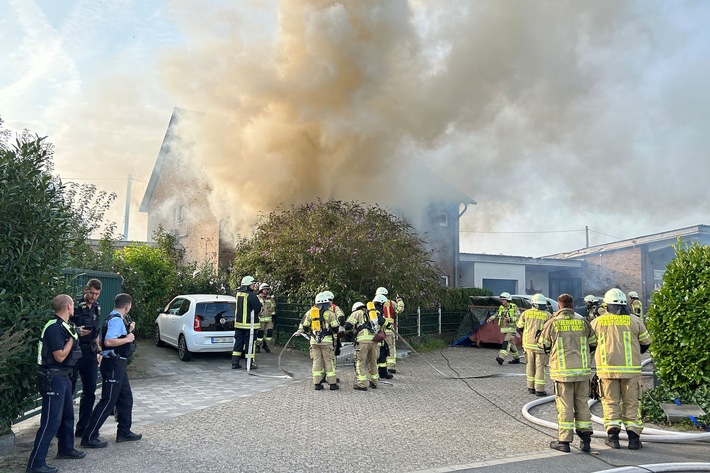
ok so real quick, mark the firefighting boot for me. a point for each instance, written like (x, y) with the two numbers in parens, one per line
(585, 442)
(541, 393)
(612, 438)
(514, 361)
(531, 390)
(235, 364)
(258, 348)
(499, 360)
(266, 348)
(561, 446)
(318, 387)
(334, 387)
(373, 385)
(634, 440)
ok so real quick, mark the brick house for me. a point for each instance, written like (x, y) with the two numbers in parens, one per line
(177, 199)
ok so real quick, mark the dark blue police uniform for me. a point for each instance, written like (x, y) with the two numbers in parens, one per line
(57, 416)
(88, 366)
(115, 390)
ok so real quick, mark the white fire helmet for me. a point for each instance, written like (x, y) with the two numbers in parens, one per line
(633, 295)
(615, 296)
(358, 306)
(505, 296)
(379, 298)
(590, 298)
(247, 281)
(329, 295)
(264, 286)
(321, 298)
(382, 291)
(539, 299)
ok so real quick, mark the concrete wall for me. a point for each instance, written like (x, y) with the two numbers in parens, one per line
(514, 272)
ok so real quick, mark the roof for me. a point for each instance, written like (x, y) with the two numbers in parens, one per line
(526, 260)
(697, 231)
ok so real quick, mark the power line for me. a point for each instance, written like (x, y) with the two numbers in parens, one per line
(529, 232)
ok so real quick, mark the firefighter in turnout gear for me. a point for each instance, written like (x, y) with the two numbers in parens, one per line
(389, 310)
(532, 321)
(592, 304)
(246, 320)
(622, 339)
(636, 306)
(377, 305)
(569, 338)
(321, 323)
(266, 318)
(366, 350)
(340, 315)
(507, 317)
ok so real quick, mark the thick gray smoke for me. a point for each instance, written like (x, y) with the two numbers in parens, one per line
(546, 113)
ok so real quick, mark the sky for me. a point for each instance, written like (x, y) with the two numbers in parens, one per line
(552, 116)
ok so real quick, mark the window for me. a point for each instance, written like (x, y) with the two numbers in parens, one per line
(443, 219)
(216, 316)
(175, 306)
(444, 281)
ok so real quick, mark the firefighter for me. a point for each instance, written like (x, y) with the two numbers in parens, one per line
(340, 315)
(366, 350)
(569, 337)
(246, 319)
(622, 339)
(507, 317)
(389, 310)
(636, 305)
(532, 321)
(378, 303)
(592, 304)
(321, 323)
(266, 318)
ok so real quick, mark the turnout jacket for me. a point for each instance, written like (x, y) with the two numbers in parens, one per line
(507, 317)
(532, 321)
(268, 309)
(389, 310)
(329, 325)
(620, 338)
(568, 336)
(247, 303)
(360, 321)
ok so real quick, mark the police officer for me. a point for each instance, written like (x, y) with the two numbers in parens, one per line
(87, 317)
(246, 322)
(389, 310)
(532, 321)
(266, 318)
(57, 354)
(622, 339)
(366, 350)
(568, 337)
(321, 323)
(119, 344)
(507, 317)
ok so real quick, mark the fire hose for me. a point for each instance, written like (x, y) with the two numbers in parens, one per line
(649, 434)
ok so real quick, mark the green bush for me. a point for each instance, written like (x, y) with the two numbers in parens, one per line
(456, 299)
(679, 323)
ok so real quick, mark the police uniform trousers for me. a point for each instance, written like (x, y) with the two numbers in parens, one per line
(536, 361)
(620, 402)
(391, 343)
(88, 370)
(572, 409)
(241, 344)
(57, 418)
(509, 346)
(115, 392)
(366, 354)
(322, 356)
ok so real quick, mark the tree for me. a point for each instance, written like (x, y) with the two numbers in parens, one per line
(678, 320)
(35, 223)
(347, 247)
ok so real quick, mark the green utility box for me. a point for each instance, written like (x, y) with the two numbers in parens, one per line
(110, 283)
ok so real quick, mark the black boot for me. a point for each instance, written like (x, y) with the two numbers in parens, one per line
(266, 348)
(515, 361)
(318, 387)
(531, 390)
(634, 440)
(258, 348)
(561, 446)
(499, 360)
(612, 438)
(541, 393)
(334, 387)
(585, 443)
(236, 366)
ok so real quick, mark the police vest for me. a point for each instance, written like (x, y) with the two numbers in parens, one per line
(46, 359)
(125, 350)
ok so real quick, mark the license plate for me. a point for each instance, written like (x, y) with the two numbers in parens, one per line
(222, 340)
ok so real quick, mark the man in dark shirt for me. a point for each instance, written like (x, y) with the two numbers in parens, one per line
(58, 352)
(87, 317)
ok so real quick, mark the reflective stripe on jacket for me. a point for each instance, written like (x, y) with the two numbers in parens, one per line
(619, 351)
(568, 336)
(532, 321)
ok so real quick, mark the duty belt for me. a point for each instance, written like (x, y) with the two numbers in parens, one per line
(58, 371)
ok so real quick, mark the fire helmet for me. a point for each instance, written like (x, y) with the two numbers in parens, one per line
(539, 299)
(329, 295)
(247, 281)
(321, 298)
(381, 290)
(590, 299)
(264, 286)
(615, 296)
(633, 295)
(358, 306)
(379, 299)
(505, 296)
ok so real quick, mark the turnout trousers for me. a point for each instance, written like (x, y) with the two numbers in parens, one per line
(366, 354)
(620, 402)
(509, 347)
(322, 356)
(241, 344)
(536, 361)
(572, 409)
